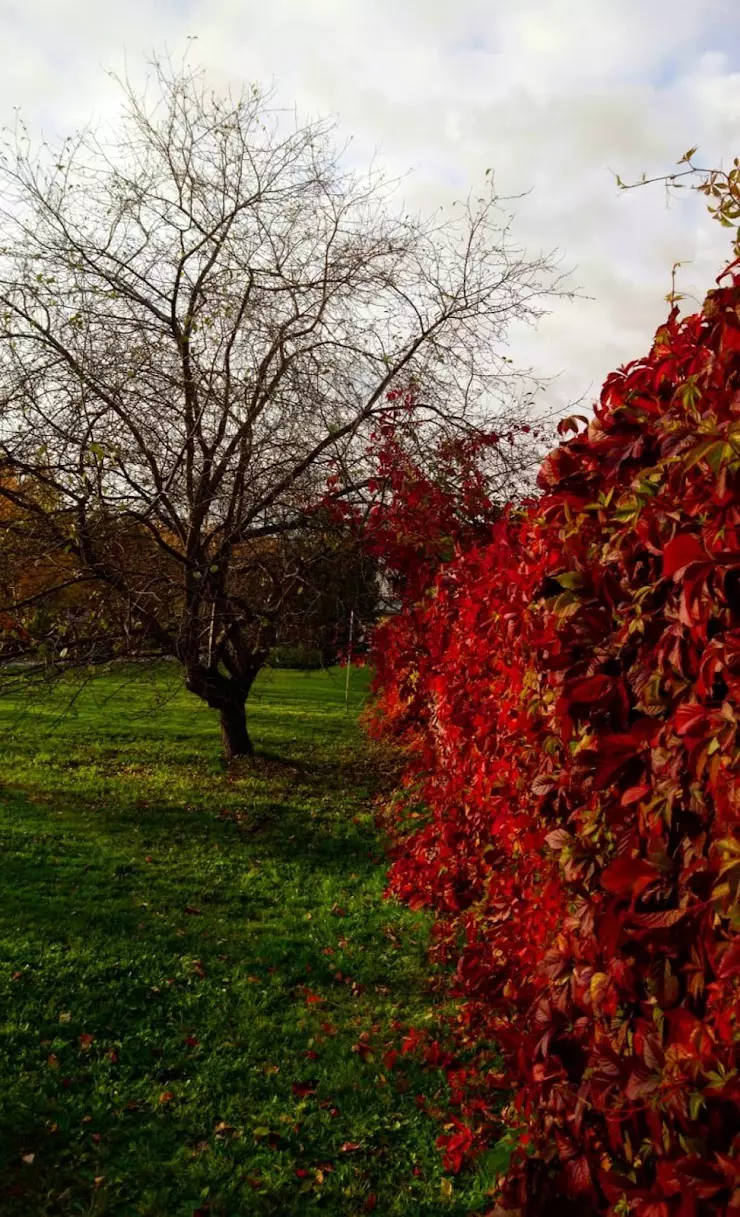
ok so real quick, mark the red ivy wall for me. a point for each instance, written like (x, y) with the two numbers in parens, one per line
(569, 694)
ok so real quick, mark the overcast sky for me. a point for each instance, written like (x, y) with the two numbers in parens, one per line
(552, 94)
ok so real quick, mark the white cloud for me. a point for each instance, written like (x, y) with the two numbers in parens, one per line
(552, 93)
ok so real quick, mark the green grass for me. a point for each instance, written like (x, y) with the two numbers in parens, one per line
(165, 926)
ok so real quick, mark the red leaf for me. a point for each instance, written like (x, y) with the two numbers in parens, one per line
(634, 794)
(304, 1088)
(648, 922)
(349, 1147)
(558, 839)
(641, 1083)
(578, 1173)
(625, 875)
(682, 550)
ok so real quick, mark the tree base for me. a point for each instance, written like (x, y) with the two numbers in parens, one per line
(234, 735)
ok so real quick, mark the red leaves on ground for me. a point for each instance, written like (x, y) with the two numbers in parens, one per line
(311, 999)
(302, 1089)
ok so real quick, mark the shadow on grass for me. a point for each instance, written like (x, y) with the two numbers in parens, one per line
(174, 940)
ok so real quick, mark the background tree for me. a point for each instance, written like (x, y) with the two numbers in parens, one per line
(202, 312)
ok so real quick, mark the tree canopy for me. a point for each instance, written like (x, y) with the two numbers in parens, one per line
(202, 314)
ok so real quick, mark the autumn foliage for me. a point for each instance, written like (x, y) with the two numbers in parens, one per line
(568, 693)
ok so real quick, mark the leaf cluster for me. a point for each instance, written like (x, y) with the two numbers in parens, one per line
(568, 694)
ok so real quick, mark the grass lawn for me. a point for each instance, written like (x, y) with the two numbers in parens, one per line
(198, 972)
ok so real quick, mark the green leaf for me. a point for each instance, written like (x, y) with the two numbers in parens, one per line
(718, 454)
(570, 579)
(698, 452)
(696, 1102)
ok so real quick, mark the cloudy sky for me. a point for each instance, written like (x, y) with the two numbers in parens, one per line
(555, 95)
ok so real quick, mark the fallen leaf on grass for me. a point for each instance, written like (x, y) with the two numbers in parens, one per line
(166, 1097)
(192, 1041)
(28, 1159)
(66, 1017)
(304, 1088)
(312, 999)
(349, 1147)
(86, 1040)
(52, 1061)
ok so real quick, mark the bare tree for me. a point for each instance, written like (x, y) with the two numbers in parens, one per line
(202, 311)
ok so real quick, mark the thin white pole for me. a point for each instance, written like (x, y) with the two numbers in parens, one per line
(349, 659)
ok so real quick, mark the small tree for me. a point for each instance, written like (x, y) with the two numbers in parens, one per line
(201, 315)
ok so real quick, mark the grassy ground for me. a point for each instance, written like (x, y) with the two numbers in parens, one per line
(197, 968)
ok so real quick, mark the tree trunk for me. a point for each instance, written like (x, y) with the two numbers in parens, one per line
(228, 697)
(234, 734)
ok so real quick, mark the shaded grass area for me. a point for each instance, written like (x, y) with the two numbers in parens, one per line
(197, 969)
